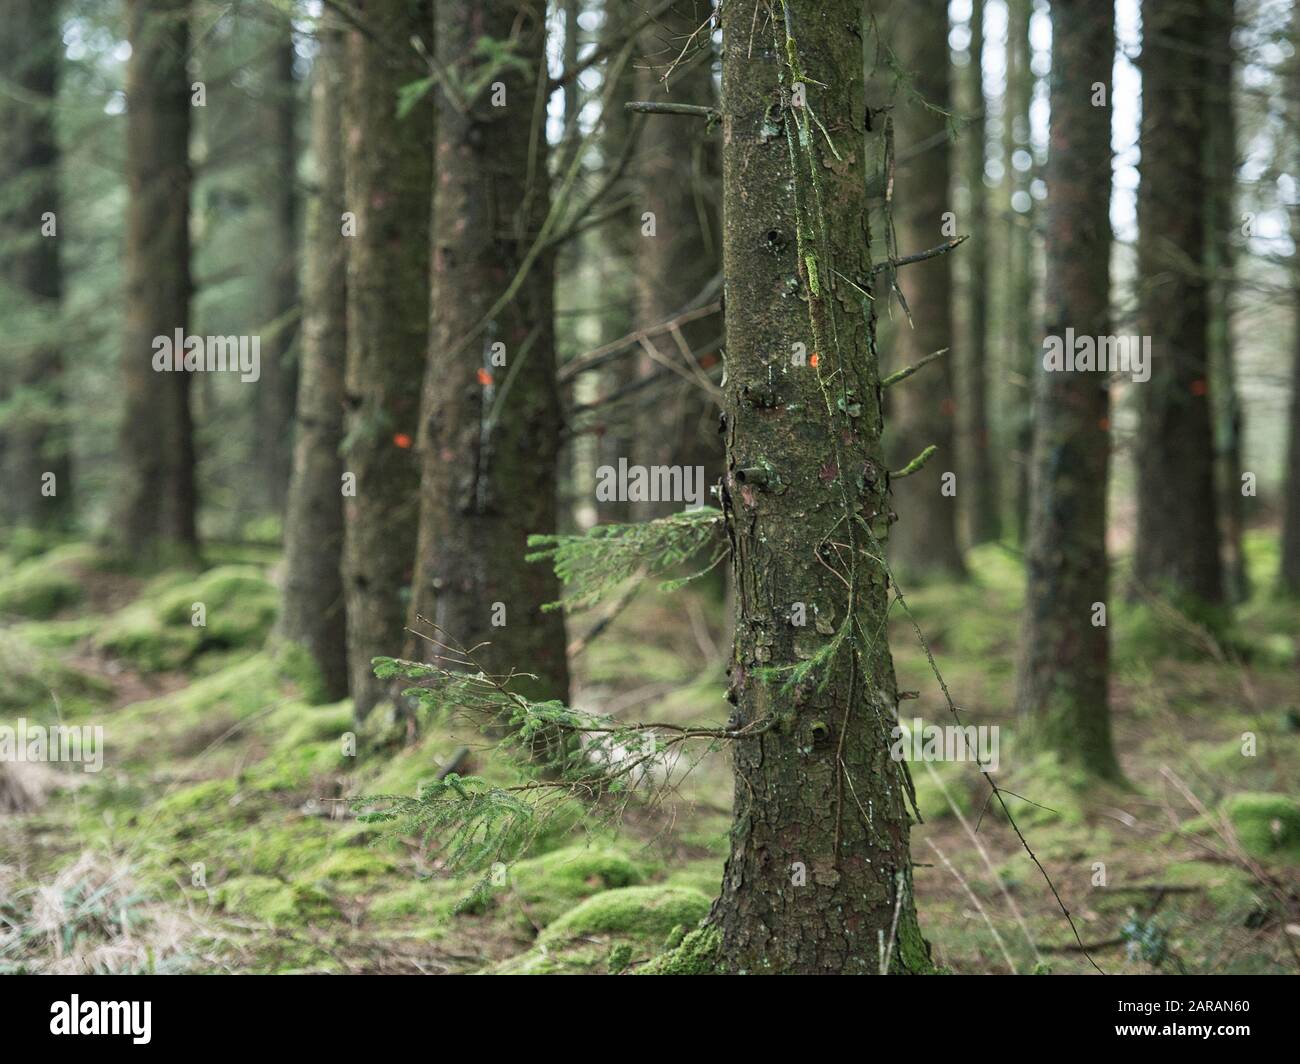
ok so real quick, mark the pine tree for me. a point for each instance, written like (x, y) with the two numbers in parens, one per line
(34, 442)
(1177, 549)
(313, 613)
(814, 882)
(388, 159)
(924, 414)
(489, 441)
(1064, 647)
(158, 504)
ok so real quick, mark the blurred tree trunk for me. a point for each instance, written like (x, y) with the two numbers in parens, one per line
(678, 170)
(1063, 672)
(814, 883)
(1019, 326)
(489, 443)
(159, 501)
(980, 489)
(388, 162)
(1289, 572)
(313, 612)
(278, 386)
(1177, 550)
(36, 436)
(1289, 577)
(923, 410)
(1229, 428)
(619, 434)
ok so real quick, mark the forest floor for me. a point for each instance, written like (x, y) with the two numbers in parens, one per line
(213, 841)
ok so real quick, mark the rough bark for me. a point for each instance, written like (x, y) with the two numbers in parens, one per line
(1177, 550)
(980, 487)
(489, 439)
(388, 172)
(816, 792)
(313, 613)
(159, 500)
(923, 411)
(678, 170)
(35, 434)
(1063, 671)
(278, 386)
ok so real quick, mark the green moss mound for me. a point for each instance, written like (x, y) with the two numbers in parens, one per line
(1267, 825)
(644, 912)
(157, 632)
(275, 902)
(43, 585)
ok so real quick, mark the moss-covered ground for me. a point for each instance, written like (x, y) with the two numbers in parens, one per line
(214, 838)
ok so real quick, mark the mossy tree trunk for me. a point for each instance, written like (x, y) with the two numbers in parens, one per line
(388, 172)
(36, 435)
(159, 500)
(279, 187)
(980, 490)
(1177, 549)
(1289, 574)
(489, 440)
(819, 842)
(924, 412)
(678, 173)
(313, 612)
(1063, 670)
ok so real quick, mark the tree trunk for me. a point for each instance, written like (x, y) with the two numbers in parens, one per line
(1289, 575)
(819, 866)
(36, 435)
(489, 441)
(980, 490)
(1229, 425)
(159, 500)
(278, 386)
(1177, 550)
(313, 613)
(1019, 292)
(388, 173)
(923, 411)
(1063, 670)
(678, 171)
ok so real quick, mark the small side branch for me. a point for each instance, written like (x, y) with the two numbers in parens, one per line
(916, 464)
(920, 256)
(690, 109)
(907, 371)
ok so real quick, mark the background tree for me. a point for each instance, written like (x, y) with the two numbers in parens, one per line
(277, 389)
(981, 491)
(33, 438)
(1177, 547)
(805, 468)
(388, 158)
(924, 414)
(1062, 683)
(490, 437)
(1018, 288)
(158, 503)
(677, 176)
(313, 613)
